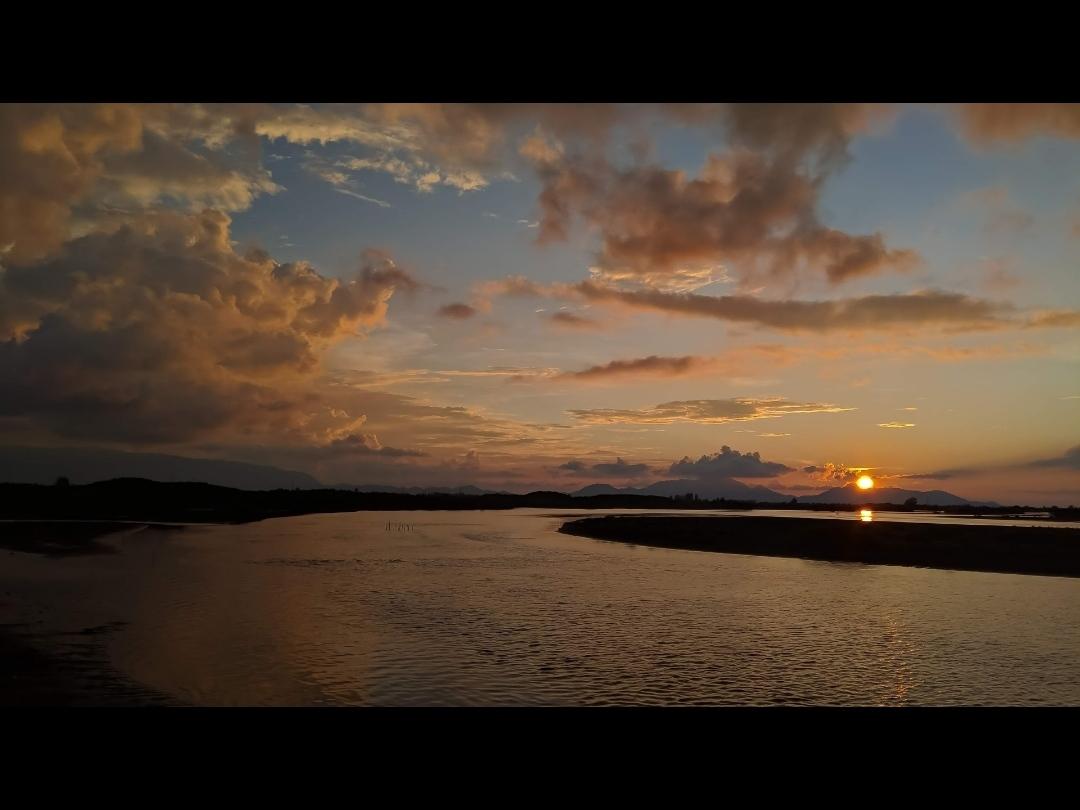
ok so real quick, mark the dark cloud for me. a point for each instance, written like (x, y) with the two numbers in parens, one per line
(159, 331)
(364, 444)
(616, 469)
(729, 463)
(569, 320)
(651, 366)
(457, 311)
(621, 469)
(1070, 460)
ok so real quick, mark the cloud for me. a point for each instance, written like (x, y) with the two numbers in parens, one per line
(704, 411)
(871, 312)
(159, 331)
(1054, 319)
(357, 195)
(746, 212)
(750, 360)
(651, 366)
(620, 469)
(364, 444)
(423, 176)
(729, 463)
(834, 473)
(574, 466)
(69, 166)
(954, 311)
(568, 320)
(898, 425)
(1069, 460)
(1002, 215)
(1000, 123)
(457, 311)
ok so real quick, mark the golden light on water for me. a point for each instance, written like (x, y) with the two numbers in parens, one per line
(865, 482)
(866, 515)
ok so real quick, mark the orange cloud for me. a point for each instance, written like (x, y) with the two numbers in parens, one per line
(745, 212)
(160, 331)
(994, 123)
(704, 411)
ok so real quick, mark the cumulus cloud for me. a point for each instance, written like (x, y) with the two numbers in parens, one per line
(704, 411)
(68, 166)
(729, 463)
(746, 211)
(159, 331)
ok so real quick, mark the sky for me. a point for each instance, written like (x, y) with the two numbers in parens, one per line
(526, 296)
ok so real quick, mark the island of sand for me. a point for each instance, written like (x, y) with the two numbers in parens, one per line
(1047, 551)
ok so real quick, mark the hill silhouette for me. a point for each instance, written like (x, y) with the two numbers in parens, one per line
(851, 494)
(143, 500)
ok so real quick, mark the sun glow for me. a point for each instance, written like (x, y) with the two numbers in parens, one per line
(865, 482)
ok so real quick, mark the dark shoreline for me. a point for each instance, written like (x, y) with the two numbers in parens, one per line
(67, 538)
(1041, 551)
(82, 676)
(143, 501)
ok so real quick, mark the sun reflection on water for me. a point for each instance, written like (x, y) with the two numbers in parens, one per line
(867, 515)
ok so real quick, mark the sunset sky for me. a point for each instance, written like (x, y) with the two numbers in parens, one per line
(525, 296)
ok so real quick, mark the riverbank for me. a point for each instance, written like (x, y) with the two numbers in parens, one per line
(76, 673)
(141, 500)
(65, 538)
(1046, 551)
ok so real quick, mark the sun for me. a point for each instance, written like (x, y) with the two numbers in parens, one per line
(865, 482)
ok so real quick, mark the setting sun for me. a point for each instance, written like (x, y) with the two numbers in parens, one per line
(865, 482)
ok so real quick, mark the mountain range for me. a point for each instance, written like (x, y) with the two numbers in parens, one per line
(43, 465)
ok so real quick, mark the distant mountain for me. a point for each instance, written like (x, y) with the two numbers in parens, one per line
(727, 488)
(463, 490)
(853, 495)
(43, 465)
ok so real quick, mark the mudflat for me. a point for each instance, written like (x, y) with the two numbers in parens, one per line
(1047, 551)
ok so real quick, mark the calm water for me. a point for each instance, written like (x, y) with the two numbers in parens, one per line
(496, 608)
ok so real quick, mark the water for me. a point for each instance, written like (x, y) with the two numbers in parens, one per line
(497, 608)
